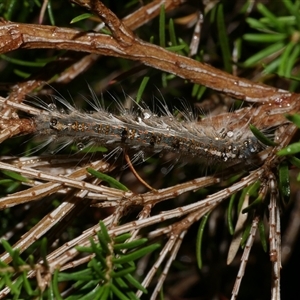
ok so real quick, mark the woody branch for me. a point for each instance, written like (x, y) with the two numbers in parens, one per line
(124, 44)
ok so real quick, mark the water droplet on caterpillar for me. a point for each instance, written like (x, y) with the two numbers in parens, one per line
(230, 134)
(52, 107)
(80, 146)
(146, 115)
(53, 122)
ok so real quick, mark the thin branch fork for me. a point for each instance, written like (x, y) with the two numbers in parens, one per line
(148, 12)
(15, 36)
(82, 61)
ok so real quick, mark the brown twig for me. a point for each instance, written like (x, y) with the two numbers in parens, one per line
(133, 21)
(15, 36)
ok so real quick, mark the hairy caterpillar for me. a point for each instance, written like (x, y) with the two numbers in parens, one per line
(145, 132)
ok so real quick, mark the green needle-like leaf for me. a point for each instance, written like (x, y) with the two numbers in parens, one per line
(135, 283)
(136, 254)
(264, 37)
(256, 24)
(44, 251)
(261, 137)
(293, 8)
(81, 17)
(105, 292)
(262, 234)
(118, 293)
(245, 235)
(294, 161)
(259, 56)
(97, 269)
(284, 182)
(290, 149)
(121, 283)
(162, 26)
(123, 272)
(110, 180)
(15, 176)
(199, 240)
(142, 88)
(229, 214)
(223, 39)
(130, 245)
(285, 57)
(55, 285)
(18, 287)
(122, 238)
(17, 260)
(50, 13)
(253, 205)
(2, 282)
(8, 282)
(269, 15)
(104, 232)
(177, 48)
(292, 59)
(103, 249)
(172, 33)
(294, 118)
(25, 63)
(84, 275)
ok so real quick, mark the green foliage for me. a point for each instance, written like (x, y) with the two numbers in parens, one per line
(280, 35)
(21, 285)
(108, 275)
